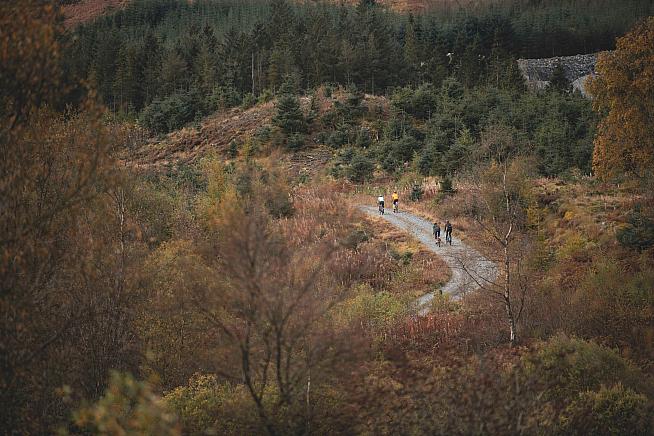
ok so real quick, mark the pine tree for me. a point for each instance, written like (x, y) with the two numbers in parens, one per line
(151, 55)
(105, 65)
(412, 58)
(289, 117)
(173, 72)
(129, 81)
(558, 81)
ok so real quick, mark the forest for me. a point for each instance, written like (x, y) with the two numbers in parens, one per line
(167, 267)
(155, 55)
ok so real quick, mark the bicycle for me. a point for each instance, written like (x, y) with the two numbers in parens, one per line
(395, 207)
(448, 238)
(381, 209)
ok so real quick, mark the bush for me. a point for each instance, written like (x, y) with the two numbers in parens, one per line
(361, 168)
(639, 233)
(350, 110)
(341, 162)
(266, 96)
(337, 139)
(420, 103)
(279, 204)
(377, 309)
(363, 138)
(128, 407)
(206, 406)
(249, 100)
(446, 186)
(416, 192)
(609, 411)
(295, 141)
(263, 134)
(172, 113)
(567, 366)
(396, 153)
(232, 149)
(225, 97)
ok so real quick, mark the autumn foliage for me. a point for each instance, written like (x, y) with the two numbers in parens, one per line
(624, 91)
(223, 296)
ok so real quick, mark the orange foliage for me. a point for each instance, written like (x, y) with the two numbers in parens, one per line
(624, 88)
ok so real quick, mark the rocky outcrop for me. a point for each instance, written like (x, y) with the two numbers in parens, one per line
(537, 72)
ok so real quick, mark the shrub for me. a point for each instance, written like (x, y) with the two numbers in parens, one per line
(378, 309)
(363, 138)
(361, 168)
(341, 162)
(639, 232)
(249, 100)
(128, 407)
(232, 149)
(171, 113)
(416, 192)
(567, 366)
(350, 110)
(279, 204)
(206, 406)
(337, 139)
(266, 96)
(224, 97)
(263, 134)
(609, 411)
(295, 141)
(446, 185)
(420, 103)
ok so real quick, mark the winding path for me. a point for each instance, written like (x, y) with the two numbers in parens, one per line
(470, 269)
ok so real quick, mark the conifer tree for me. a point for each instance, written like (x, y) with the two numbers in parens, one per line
(151, 55)
(558, 81)
(412, 58)
(289, 117)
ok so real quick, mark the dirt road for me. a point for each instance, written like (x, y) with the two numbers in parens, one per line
(470, 269)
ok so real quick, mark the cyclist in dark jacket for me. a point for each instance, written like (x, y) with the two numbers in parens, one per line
(448, 232)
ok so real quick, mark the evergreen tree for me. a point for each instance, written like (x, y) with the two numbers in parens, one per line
(412, 56)
(174, 73)
(151, 55)
(129, 81)
(289, 117)
(206, 72)
(105, 64)
(558, 81)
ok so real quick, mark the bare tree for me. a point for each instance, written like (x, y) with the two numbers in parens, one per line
(497, 202)
(269, 305)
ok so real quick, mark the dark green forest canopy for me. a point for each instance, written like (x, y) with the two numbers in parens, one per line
(154, 48)
(170, 62)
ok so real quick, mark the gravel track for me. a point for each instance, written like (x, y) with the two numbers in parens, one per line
(470, 269)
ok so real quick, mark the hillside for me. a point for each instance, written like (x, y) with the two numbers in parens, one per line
(192, 239)
(82, 11)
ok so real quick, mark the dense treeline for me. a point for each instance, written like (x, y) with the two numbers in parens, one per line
(436, 131)
(201, 55)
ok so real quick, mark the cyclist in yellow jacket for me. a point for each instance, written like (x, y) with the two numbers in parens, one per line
(396, 199)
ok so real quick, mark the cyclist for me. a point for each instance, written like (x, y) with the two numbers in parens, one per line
(396, 199)
(448, 232)
(437, 231)
(380, 203)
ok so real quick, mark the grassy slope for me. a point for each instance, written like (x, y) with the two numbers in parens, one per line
(87, 10)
